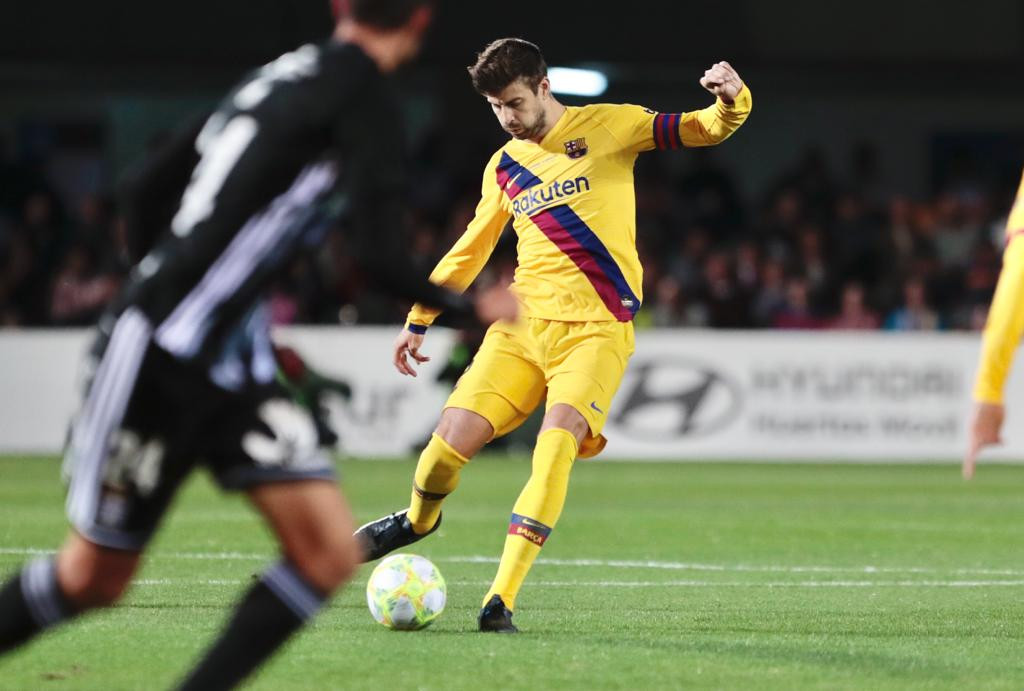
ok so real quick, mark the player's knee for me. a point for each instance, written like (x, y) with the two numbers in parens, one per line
(564, 416)
(463, 430)
(97, 579)
(328, 561)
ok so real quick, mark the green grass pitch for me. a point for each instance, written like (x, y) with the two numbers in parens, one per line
(658, 576)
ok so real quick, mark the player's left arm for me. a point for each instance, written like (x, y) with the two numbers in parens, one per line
(641, 129)
(717, 122)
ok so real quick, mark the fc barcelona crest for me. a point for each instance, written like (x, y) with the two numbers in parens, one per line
(577, 148)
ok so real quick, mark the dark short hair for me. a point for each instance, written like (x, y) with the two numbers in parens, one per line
(382, 14)
(505, 61)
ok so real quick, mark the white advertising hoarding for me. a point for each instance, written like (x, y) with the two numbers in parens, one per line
(807, 396)
(687, 395)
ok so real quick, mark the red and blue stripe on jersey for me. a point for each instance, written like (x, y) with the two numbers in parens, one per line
(582, 245)
(513, 177)
(576, 240)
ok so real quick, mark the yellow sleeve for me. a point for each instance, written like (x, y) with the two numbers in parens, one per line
(467, 257)
(717, 122)
(641, 129)
(1004, 327)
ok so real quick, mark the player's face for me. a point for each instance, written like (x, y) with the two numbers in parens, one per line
(520, 110)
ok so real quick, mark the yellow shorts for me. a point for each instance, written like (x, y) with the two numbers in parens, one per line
(576, 363)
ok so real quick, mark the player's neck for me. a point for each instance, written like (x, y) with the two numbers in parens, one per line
(383, 48)
(552, 114)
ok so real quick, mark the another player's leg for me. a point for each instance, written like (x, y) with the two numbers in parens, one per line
(114, 501)
(313, 524)
(459, 436)
(535, 512)
(52, 589)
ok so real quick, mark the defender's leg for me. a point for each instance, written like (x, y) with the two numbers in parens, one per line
(50, 590)
(314, 528)
(585, 363)
(535, 512)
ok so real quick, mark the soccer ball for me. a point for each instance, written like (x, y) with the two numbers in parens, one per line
(405, 592)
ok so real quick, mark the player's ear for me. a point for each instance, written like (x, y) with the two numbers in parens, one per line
(544, 88)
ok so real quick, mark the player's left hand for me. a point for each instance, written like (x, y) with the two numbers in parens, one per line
(985, 428)
(723, 81)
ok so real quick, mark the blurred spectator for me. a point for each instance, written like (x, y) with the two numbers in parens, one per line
(854, 314)
(79, 291)
(771, 294)
(954, 235)
(667, 311)
(795, 312)
(915, 314)
(812, 260)
(818, 251)
(707, 195)
(687, 265)
(720, 297)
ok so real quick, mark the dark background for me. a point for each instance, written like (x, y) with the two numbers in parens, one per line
(900, 102)
(902, 73)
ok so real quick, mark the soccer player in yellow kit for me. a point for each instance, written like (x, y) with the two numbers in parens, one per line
(565, 179)
(1002, 336)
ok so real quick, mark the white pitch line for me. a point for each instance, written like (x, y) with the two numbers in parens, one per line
(782, 584)
(666, 584)
(739, 568)
(173, 581)
(603, 563)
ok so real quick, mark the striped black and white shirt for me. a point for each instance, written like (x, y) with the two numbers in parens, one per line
(273, 164)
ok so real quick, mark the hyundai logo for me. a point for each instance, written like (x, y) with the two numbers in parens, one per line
(663, 400)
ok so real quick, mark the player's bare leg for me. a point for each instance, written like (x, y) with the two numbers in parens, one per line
(50, 590)
(313, 525)
(91, 576)
(459, 436)
(535, 512)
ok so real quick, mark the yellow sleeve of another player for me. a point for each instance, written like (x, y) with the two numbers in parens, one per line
(467, 257)
(642, 129)
(1005, 324)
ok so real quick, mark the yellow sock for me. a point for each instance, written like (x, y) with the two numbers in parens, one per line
(437, 476)
(535, 512)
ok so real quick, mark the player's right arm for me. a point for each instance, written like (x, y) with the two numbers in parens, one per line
(457, 270)
(1000, 340)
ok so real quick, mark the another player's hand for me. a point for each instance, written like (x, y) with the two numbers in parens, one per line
(496, 303)
(985, 428)
(409, 344)
(723, 81)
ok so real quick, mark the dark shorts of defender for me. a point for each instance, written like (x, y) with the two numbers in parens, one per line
(149, 419)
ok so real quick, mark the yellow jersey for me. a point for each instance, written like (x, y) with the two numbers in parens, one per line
(1005, 323)
(571, 201)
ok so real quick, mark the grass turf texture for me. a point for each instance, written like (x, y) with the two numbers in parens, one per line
(760, 576)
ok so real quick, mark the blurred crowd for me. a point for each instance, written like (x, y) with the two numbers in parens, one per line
(824, 247)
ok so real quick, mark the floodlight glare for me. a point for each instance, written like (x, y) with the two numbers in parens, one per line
(577, 82)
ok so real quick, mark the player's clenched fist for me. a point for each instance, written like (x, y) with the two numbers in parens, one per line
(723, 81)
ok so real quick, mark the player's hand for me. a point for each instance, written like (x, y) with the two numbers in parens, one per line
(496, 303)
(723, 81)
(408, 344)
(985, 428)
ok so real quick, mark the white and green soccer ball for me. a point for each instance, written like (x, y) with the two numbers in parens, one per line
(406, 592)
